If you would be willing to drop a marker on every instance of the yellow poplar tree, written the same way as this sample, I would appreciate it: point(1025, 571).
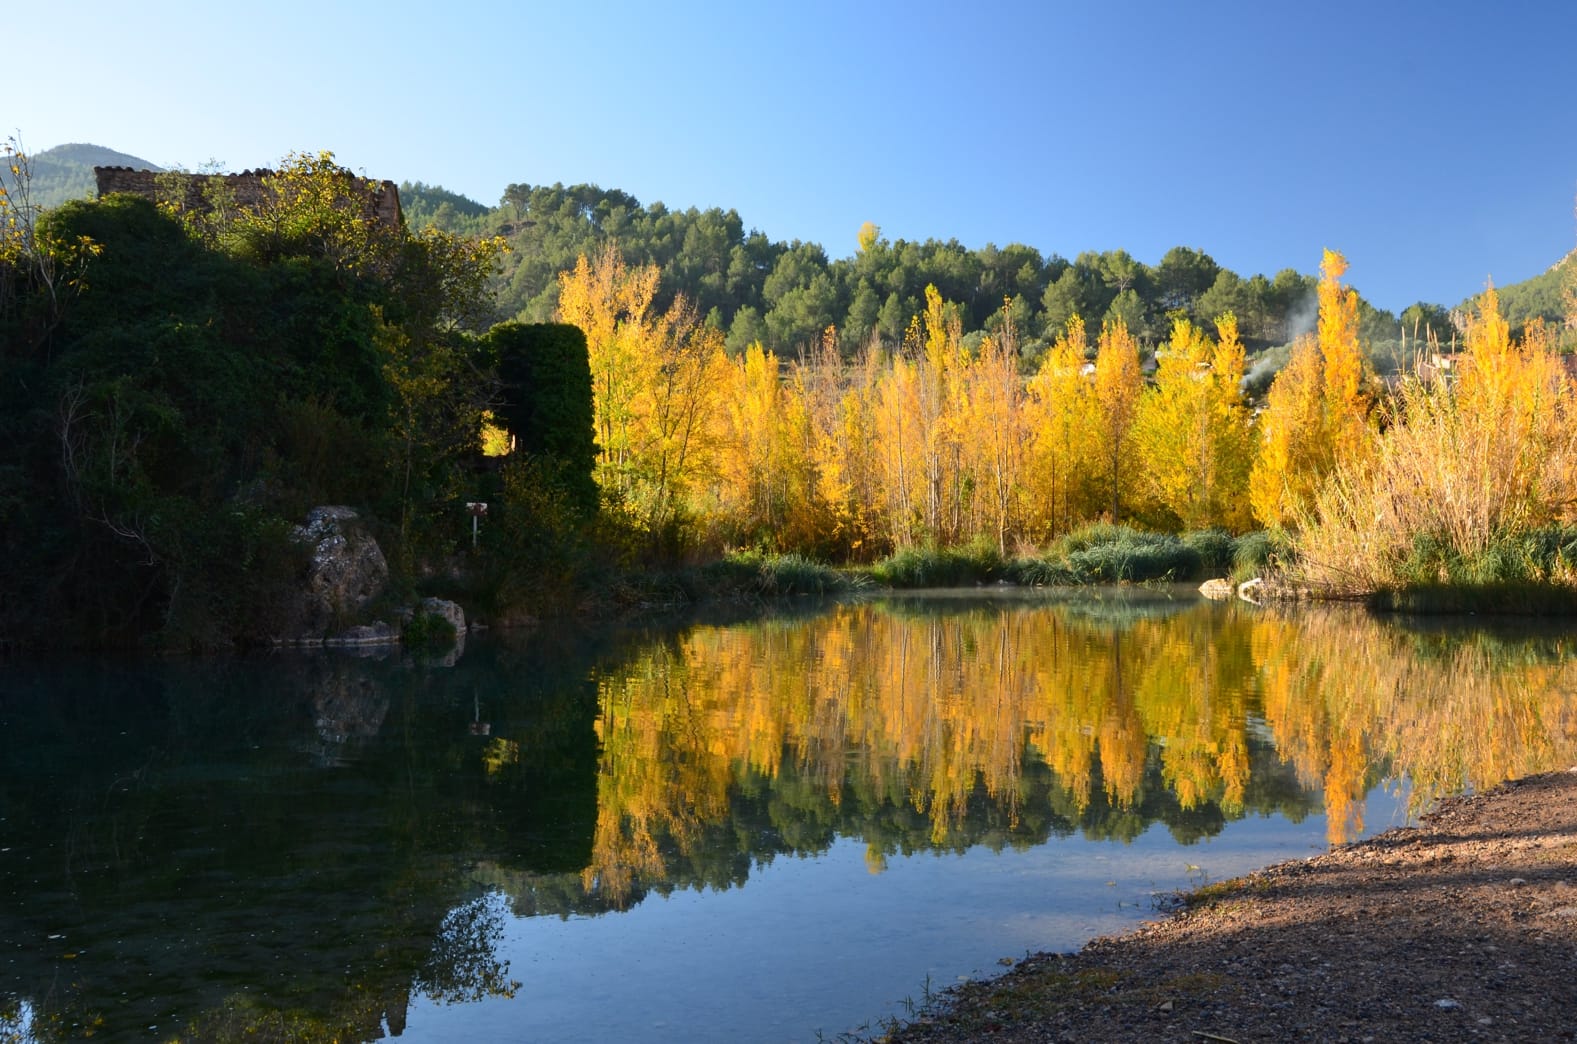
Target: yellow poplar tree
point(847, 463)
point(675, 447)
point(655, 385)
point(1191, 429)
point(1294, 455)
point(765, 491)
point(1346, 404)
point(611, 304)
point(994, 420)
point(1118, 382)
point(901, 443)
point(1316, 412)
point(939, 367)
point(1062, 422)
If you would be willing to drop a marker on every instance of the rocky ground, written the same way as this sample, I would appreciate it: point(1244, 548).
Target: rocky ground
point(1461, 929)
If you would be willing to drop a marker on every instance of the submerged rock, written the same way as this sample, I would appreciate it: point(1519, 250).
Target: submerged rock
point(1218, 589)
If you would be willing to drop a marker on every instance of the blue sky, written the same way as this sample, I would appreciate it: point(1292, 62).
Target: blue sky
point(1435, 144)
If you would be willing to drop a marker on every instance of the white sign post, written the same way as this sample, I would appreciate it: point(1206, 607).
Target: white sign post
point(478, 511)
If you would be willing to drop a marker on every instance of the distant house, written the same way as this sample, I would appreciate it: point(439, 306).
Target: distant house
point(1440, 366)
point(248, 189)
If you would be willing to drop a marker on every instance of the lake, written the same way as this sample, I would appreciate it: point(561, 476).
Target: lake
point(778, 827)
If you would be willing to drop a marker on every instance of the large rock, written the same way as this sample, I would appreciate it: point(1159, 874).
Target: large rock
point(348, 570)
point(446, 609)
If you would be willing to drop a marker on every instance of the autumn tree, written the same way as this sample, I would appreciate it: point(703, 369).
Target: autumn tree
point(841, 409)
point(1316, 412)
point(1062, 424)
point(1192, 432)
point(656, 379)
point(765, 485)
point(994, 420)
point(918, 424)
point(1118, 382)
point(1346, 403)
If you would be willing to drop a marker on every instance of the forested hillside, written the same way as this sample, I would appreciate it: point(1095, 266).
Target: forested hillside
point(1546, 296)
point(785, 294)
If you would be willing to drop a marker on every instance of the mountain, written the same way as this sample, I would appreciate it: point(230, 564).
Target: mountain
point(66, 171)
point(1541, 297)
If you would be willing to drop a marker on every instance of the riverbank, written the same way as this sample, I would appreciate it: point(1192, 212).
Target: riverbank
point(1462, 928)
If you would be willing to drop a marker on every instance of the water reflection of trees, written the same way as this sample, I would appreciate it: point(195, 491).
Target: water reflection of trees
point(986, 725)
point(1349, 697)
point(1004, 725)
point(276, 849)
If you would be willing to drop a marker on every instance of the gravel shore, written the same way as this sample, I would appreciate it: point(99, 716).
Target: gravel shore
point(1463, 928)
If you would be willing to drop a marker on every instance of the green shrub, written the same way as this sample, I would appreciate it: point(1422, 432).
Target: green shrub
point(545, 377)
point(1042, 572)
point(1538, 556)
point(795, 574)
point(756, 574)
point(427, 631)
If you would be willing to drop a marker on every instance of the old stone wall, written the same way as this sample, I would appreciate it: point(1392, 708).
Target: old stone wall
point(249, 190)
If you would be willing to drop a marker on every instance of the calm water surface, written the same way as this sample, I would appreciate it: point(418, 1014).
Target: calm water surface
point(762, 830)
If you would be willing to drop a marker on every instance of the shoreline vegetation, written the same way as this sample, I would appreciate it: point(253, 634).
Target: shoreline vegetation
point(1104, 554)
point(166, 434)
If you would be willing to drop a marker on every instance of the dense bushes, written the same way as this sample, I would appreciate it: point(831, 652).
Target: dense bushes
point(199, 392)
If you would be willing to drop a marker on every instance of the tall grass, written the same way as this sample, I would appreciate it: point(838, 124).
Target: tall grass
point(1464, 484)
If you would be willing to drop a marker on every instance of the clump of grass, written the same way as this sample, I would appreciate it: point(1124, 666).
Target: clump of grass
point(1254, 553)
point(759, 574)
point(914, 567)
point(794, 574)
point(1539, 556)
point(1042, 571)
point(1528, 573)
point(1216, 550)
point(1111, 554)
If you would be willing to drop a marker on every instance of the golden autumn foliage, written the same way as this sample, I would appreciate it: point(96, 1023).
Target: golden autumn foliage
point(1063, 432)
point(944, 441)
point(1317, 411)
point(1294, 455)
point(994, 418)
point(1191, 432)
point(1118, 383)
point(1346, 404)
point(656, 383)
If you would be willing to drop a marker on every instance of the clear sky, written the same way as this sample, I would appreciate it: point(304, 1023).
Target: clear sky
point(1433, 143)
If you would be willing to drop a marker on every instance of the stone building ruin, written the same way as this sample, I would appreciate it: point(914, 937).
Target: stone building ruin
point(248, 190)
